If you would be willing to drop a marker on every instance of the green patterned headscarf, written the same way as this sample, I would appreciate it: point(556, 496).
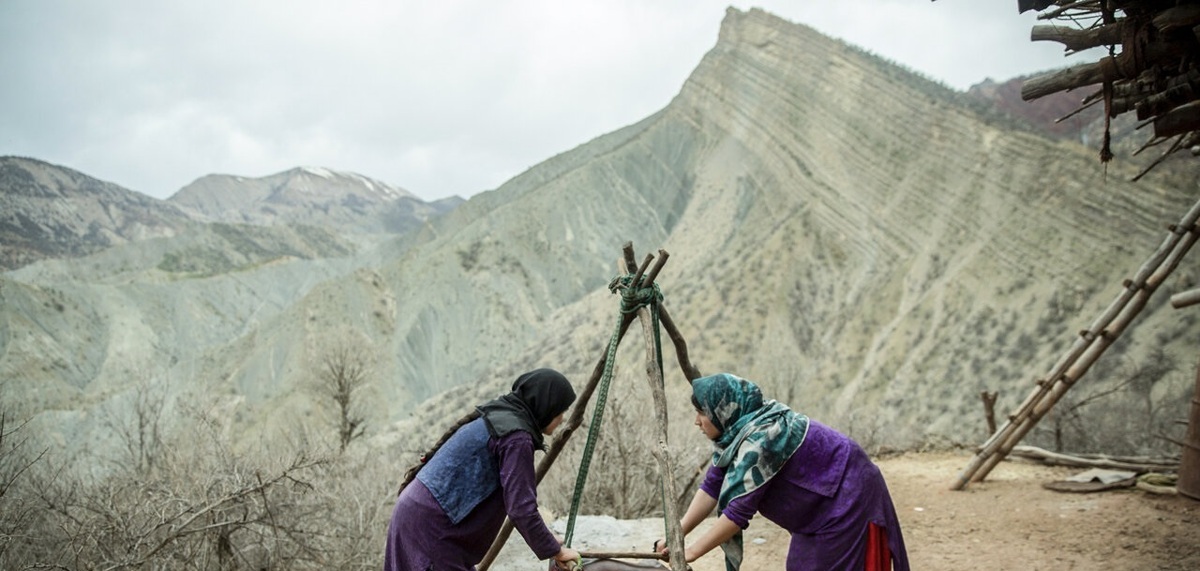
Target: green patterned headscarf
point(757, 437)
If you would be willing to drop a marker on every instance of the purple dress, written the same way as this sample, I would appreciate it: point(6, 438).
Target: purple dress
point(422, 537)
point(825, 495)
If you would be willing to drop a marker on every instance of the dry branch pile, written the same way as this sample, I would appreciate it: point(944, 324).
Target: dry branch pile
point(1151, 68)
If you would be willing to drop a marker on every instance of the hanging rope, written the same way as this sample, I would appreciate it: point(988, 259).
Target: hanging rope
point(632, 299)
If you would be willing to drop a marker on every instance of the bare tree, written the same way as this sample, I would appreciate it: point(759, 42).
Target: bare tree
point(343, 370)
point(139, 427)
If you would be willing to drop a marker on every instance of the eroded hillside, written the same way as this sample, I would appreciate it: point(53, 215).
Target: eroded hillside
point(868, 246)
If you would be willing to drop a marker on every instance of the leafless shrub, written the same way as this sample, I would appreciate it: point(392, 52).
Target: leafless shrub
point(202, 508)
point(1121, 417)
point(205, 508)
point(17, 512)
point(355, 497)
point(865, 430)
point(246, 519)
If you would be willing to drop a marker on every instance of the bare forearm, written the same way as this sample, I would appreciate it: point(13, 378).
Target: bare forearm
point(702, 505)
point(720, 532)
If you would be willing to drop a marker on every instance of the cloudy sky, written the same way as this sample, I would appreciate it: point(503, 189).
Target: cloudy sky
point(438, 97)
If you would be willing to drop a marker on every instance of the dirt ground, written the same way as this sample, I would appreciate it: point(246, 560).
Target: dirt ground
point(1007, 522)
point(1010, 521)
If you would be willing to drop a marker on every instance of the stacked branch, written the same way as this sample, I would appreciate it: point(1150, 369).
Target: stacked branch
point(1140, 465)
point(1153, 66)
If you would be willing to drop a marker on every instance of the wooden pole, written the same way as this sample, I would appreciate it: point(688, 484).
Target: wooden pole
point(660, 451)
point(621, 555)
point(1140, 466)
point(989, 409)
point(1121, 67)
point(1185, 298)
point(1189, 464)
point(1177, 17)
point(690, 372)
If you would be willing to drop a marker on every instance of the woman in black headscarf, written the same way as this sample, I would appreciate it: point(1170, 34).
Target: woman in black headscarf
point(452, 504)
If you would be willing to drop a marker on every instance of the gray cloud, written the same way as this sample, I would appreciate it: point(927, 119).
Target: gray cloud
point(441, 98)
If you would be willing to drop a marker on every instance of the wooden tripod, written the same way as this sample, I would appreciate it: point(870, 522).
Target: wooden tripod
point(655, 377)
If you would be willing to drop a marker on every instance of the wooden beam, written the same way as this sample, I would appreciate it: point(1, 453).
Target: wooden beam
point(690, 372)
point(1062, 80)
point(620, 555)
point(1189, 463)
point(1185, 298)
point(1027, 5)
point(1174, 91)
point(1177, 17)
point(1123, 66)
point(1076, 39)
point(1182, 119)
point(1088, 9)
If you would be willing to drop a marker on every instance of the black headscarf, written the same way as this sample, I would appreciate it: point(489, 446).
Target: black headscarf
point(537, 398)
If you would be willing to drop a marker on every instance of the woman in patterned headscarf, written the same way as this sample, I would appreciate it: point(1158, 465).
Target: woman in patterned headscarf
point(806, 477)
point(452, 504)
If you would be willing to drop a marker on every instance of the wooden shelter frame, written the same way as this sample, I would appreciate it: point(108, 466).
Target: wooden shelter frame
point(1092, 343)
point(1156, 73)
point(643, 276)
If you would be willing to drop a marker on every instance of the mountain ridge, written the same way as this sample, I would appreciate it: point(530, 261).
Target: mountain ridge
point(54, 211)
point(349, 202)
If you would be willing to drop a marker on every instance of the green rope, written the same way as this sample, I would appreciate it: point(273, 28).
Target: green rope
point(632, 298)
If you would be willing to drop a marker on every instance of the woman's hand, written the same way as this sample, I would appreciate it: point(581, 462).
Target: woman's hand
point(660, 547)
point(568, 559)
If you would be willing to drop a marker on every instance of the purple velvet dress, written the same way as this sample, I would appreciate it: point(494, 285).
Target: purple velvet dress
point(825, 495)
point(422, 537)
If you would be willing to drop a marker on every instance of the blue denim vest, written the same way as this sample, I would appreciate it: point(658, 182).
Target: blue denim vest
point(463, 472)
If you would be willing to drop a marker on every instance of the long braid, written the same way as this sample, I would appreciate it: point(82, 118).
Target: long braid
point(412, 472)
